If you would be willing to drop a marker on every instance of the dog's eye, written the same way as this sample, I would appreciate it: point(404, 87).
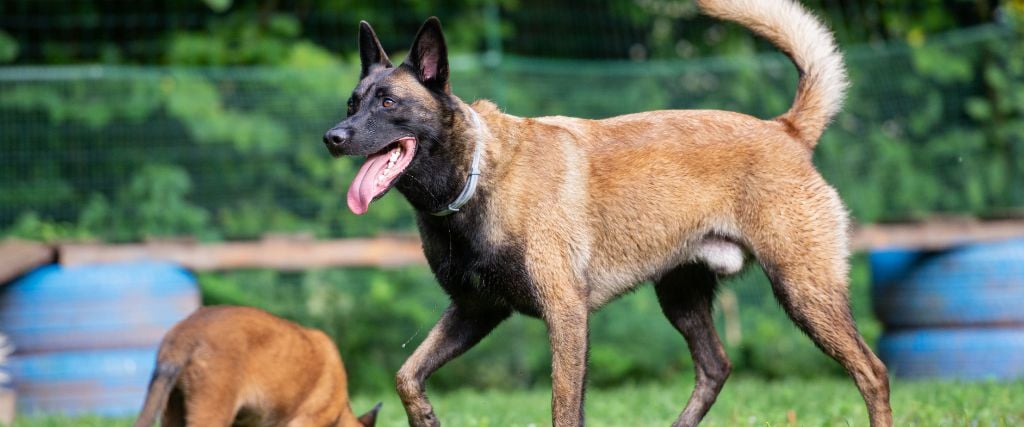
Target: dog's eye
point(351, 107)
point(388, 103)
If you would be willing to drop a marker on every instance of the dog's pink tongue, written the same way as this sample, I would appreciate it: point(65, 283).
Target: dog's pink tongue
point(364, 185)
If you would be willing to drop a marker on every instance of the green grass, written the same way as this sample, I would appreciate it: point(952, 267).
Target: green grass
point(744, 402)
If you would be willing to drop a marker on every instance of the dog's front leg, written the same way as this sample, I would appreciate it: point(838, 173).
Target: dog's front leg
point(566, 316)
point(458, 330)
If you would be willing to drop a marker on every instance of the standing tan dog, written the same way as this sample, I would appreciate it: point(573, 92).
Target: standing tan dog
point(556, 216)
point(241, 366)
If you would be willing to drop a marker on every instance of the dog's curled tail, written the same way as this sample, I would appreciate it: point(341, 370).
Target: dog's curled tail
point(165, 376)
point(801, 36)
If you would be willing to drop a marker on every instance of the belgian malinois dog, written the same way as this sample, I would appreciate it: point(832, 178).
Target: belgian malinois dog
point(242, 366)
point(554, 217)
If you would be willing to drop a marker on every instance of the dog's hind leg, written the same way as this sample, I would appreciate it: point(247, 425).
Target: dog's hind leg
point(457, 331)
point(823, 313)
point(174, 413)
point(801, 245)
point(686, 295)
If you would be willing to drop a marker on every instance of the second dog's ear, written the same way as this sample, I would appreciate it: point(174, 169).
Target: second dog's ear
point(369, 419)
point(429, 56)
point(371, 53)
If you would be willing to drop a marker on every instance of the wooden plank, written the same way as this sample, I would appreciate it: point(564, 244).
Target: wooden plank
point(386, 252)
point(279, 254)
point(18, 257)
point(935, 234)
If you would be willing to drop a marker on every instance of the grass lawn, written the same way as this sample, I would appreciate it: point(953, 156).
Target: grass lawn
point(744, 402)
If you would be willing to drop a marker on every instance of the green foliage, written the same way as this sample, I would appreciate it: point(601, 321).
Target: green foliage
point(152, 204)
point(8, 48)
point(942, 133)
point(30, 226)
point(237, 39)
point(218, 5)
point(932, 144)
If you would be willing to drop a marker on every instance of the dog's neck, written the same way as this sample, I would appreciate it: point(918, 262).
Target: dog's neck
point(439, 178)
point(473, 175)
point(444, 173)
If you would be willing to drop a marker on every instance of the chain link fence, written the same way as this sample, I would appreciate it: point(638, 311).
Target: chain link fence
point(121, 152)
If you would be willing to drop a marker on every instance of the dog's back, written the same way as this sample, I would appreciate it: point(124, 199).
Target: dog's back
point(225, 365)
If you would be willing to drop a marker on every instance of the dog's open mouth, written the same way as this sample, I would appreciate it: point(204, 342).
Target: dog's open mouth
point(379, 172)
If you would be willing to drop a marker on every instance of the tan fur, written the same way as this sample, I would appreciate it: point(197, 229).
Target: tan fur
point(649, 187)
point(601, 206)
point(605, 205)
point(241, 365)
point(809, 44)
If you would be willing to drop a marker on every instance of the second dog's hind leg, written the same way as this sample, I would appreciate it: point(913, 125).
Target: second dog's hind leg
point(174, 412)
point(686, 295)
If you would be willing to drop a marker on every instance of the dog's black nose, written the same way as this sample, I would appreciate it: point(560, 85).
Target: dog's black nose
point(336, 137)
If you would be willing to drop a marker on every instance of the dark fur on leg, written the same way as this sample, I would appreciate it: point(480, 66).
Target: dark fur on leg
point(830, 325)
point(686, 296)
point(458, 330)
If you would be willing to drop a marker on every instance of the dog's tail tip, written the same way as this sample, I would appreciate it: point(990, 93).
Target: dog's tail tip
point(811, 46)
point(165, 376)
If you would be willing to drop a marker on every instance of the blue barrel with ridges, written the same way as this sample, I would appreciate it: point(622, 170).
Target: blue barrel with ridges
point(119, 305)
point(5, 373)
point(981, 284)
point(86, 337)
point(957, 313)
point(965, 353)
point(104, 382)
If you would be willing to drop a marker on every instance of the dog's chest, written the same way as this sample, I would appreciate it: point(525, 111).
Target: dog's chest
point(474, 272)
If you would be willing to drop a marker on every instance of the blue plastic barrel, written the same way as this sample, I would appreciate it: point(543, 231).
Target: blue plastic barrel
point(118, 305)
point(86, 337)
point(103, 382)
point(957, 313)
point(5, 374)
point(965, 353)
point(980, 284)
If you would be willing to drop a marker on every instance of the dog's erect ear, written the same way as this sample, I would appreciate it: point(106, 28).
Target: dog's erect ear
point(369, 419)
point(429, 56)
point(371, 53)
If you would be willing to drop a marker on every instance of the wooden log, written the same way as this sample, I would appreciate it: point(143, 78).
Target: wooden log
point(935, 234)
point(18, 257)
point(278, 254)
point(386, 252)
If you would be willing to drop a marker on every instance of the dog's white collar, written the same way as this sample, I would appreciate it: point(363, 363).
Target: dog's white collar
point(474, 170)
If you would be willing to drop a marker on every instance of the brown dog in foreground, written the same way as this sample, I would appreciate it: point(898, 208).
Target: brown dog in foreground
point(242, 366)
point(556, 216)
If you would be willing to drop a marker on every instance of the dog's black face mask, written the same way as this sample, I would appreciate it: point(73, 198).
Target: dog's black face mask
point(396, 116)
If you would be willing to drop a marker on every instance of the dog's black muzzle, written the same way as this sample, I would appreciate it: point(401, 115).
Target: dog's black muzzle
point(336, 140)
